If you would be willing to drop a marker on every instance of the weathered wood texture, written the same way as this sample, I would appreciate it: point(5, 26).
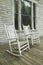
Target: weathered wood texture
point(34, 56)
point(5, 17)
point(39, 17)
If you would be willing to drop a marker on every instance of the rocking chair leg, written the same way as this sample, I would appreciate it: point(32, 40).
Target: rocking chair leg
point(19, 47)
point(28, 44)
point(10, 46)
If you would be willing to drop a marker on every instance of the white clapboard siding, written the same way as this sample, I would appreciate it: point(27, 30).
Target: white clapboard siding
point(3, 37)
point(39, 17)
point(5, 18)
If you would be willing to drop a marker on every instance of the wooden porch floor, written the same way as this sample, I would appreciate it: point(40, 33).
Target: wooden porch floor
point(34, 56)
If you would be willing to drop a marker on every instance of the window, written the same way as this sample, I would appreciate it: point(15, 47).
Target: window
point(26, 13)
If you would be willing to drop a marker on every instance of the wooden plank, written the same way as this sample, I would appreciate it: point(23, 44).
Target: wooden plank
point(13, 53)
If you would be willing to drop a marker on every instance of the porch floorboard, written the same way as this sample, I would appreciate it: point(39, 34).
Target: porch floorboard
point(34, 56)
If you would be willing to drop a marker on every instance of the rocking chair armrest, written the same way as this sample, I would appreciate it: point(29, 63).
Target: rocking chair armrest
point(12, 39)
point(28, 34)
point(20, 31)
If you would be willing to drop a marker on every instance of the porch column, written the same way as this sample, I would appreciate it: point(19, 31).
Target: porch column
point(13, 13)
point(19, 14)
point(32, 17)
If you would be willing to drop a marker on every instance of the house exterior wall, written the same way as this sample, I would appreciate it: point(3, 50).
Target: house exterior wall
point(39, 18)
point(5, 17)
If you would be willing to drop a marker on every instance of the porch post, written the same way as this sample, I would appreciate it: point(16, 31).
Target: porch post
point(19, 14)
point(13, 13)
point(32, 16)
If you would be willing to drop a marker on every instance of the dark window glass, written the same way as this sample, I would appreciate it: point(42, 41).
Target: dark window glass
point(16, 14)
point(26, 13)
point(34, 15)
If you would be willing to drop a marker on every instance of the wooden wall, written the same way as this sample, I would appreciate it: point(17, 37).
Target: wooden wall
point(39, 17)
point(5, 17)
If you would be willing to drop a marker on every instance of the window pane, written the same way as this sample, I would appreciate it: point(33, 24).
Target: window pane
point(16, 14)
point(34, 15)
point(26, 12)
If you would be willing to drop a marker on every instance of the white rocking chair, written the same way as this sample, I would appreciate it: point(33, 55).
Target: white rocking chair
point(15, 44)
point(33, 34)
